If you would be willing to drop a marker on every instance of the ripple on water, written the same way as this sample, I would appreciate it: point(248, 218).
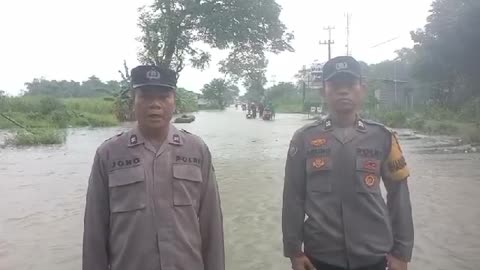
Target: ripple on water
point(43, 209)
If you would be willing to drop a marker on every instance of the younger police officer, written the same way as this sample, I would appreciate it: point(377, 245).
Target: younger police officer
point(333, 173)
point(152, 200)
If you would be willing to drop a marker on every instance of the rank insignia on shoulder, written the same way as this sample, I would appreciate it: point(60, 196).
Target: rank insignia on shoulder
point(133, 139)
point(361, 125)
point(328, 124)
point(176, 138)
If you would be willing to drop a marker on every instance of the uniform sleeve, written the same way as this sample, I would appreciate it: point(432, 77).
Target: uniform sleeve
point(96, 222)
point(293, 214)
point(395, 174)
point(211, 221)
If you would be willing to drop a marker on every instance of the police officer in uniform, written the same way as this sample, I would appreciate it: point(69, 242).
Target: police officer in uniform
point(152, 199)
point(333, 175)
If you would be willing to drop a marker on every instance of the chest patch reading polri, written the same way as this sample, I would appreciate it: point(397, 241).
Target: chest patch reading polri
point(369, 153)
point(191, 160)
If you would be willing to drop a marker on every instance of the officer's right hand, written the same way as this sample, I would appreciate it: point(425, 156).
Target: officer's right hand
point(301, 263)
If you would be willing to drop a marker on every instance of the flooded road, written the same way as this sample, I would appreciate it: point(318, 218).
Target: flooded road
point(42, 196)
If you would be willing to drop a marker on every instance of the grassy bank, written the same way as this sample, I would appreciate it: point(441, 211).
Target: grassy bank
point(43, 136)
point(40, 120)
point(48, 112)
point(433, 121)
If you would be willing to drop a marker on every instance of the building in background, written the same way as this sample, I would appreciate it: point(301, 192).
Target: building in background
point(394, 95)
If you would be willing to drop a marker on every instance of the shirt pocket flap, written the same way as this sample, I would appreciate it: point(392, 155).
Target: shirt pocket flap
point(368, 165)
point(187, 172)
point(123, 177)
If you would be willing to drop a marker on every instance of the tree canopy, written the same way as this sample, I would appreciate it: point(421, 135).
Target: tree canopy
point(220, 92)
point(446, 51)
point(173, 31)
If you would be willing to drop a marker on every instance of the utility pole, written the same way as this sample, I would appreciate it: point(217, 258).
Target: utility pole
point(348, 33)
point(304, 84)
point(274, 80)
point(329, 42)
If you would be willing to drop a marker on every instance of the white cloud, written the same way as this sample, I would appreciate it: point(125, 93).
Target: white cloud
point(66, 39)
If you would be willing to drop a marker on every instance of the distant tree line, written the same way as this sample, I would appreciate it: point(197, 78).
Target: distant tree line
point(92, 87)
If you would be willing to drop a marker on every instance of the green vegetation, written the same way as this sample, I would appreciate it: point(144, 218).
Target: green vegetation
point(186, 101)
point(49, 112)
point(220, 93)
point(288, 107)
point(438, 74)
point(38, 137)
point(285, 98)
point(442, 122)
point(175, 32)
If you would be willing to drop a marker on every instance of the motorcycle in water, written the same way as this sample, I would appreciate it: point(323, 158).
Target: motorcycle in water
point(252, 114)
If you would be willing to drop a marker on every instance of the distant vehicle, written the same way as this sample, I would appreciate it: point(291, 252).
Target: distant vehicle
point(268, 115)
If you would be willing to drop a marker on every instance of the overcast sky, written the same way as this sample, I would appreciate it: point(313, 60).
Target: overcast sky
point(72, 39)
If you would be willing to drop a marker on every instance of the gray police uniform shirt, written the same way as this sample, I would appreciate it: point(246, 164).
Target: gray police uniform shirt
point(152, 210)
point(332, 201)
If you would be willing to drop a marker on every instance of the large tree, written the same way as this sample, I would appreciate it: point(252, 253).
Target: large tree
point(447, 50)
point(174, 30)
point(220, 92)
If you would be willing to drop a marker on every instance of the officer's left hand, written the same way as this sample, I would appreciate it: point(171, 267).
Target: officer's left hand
point(396, 264)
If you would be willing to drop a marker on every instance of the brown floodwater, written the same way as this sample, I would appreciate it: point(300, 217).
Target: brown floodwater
point(42, 195)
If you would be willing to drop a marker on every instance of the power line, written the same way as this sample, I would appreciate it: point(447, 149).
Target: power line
point(330, 41)
point(385, 42)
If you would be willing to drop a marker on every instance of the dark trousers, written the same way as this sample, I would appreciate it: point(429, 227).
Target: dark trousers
point(323, 266)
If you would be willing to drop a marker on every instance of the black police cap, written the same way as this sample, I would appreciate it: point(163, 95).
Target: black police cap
point(341, 65)
point(153, 76)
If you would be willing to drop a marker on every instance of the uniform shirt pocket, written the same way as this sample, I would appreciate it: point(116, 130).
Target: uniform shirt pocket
point(127, 189)
point(319, 174)
point(368, 175)
point(187, 179)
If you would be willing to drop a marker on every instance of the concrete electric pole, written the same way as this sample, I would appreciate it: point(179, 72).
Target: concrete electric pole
point(329, 42)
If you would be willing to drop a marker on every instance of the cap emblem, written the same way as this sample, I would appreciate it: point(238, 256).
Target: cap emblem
point(341, 66)
point(153, 75)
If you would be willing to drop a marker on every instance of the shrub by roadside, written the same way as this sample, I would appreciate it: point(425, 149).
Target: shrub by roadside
point(37, 137)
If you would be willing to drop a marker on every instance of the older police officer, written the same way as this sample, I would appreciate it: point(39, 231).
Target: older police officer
point(152, 199)
point(332, 176)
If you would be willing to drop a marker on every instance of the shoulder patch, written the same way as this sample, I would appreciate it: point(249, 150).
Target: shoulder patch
point(396, 165)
